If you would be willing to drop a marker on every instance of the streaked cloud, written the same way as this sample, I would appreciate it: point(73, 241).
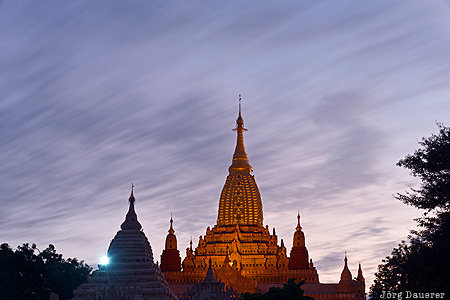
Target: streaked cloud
point(94, 96)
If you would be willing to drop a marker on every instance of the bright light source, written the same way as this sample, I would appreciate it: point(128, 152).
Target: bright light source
point(104, 260)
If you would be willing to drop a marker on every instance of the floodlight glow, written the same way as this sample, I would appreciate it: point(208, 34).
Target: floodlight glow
point(104, 260)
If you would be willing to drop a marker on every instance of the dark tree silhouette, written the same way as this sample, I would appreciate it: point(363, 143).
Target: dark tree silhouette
point(290, 291)
point(28, 273)
point(422, 264)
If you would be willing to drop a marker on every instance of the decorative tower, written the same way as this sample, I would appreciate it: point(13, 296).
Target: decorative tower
point(131, 273)
point(240, 201)
point(299, 253)
point(361, 280)
point(346, 284)
point(170, 258)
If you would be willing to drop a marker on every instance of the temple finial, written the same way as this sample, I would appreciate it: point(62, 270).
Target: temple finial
point(132, 199)
point(298, 221)
point(240, 120)
point(240, 99)
point(171, 231)
point(240, 158)
point(131, 221)
point(346, 284)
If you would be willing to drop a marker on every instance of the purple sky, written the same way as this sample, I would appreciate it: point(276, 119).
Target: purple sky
point(95, 95)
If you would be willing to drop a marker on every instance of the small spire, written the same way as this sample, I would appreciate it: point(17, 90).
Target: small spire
point(346, 284)
point(298, 222)
point(171, 231)
point(131, 222)
point(346, 275)
point(190, 244)
point(210, 274)
point(240, 99)
point(282, 243)
point(132, 199)
point(240, 120)
point(360, 274)
point(240, 158)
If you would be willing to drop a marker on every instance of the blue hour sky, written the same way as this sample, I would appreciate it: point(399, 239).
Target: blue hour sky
point(95, 95)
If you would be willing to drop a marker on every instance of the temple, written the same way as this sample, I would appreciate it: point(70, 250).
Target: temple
point(131, 273)
point(243, 254)
point(237, 255)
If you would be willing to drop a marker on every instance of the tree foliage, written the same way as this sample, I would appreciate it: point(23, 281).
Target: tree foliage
point(431, 164)
point(28, 273)
point(290, 291)
point(422, 264)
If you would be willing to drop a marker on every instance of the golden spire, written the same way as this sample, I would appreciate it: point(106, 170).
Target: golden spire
point(299, 236)
point(240, 158)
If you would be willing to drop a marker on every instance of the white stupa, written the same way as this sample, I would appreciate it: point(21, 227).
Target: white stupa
point(131, 273)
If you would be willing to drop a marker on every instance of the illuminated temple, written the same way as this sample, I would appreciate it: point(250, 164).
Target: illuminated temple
point(242, 252)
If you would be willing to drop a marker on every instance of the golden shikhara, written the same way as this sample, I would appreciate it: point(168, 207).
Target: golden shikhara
point(241, 252)
point(240, 201)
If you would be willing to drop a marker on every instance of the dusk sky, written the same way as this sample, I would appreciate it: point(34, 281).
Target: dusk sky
point(95, 95)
